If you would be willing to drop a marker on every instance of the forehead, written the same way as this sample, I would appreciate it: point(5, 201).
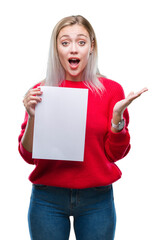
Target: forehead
point(73, 31)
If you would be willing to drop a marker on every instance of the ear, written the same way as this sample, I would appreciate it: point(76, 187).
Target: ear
point(92, 46)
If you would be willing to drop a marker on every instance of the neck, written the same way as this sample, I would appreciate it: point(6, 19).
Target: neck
point(74, 78)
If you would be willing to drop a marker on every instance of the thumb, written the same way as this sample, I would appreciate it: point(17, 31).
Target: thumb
point(130, 94)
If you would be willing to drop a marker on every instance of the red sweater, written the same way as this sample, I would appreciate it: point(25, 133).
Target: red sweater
point(102, 146)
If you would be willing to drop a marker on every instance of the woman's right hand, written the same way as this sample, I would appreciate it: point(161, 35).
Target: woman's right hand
point(31, 99)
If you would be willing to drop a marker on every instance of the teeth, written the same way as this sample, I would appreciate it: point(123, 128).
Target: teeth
point(74, 60)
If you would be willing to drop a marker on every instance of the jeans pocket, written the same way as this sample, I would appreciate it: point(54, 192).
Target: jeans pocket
point(103, 188)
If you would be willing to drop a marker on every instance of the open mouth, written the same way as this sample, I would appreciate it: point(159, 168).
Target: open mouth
point(74, 61)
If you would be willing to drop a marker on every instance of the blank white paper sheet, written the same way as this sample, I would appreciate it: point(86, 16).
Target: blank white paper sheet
point(60, 124)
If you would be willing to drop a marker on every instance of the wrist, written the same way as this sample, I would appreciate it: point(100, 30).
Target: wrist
point(117, 127)
point(117, 117)
point(31, 121)
point(117, 122)
point(31, 118)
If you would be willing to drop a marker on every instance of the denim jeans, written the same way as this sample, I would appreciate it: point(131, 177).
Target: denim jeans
point(92, 209)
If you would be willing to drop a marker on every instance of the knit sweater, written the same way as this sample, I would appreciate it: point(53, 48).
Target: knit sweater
point(102, 146)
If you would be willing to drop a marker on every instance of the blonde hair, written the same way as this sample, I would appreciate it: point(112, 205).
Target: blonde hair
point(56, 73)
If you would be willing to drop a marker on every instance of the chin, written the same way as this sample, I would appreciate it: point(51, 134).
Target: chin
point(75, 76)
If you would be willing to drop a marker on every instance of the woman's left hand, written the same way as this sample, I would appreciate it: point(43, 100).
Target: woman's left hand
point(120, 106)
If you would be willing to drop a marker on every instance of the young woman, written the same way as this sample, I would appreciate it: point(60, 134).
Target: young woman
point(80, 189)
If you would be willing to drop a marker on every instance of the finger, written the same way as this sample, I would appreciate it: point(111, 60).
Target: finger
point(130, 94)
point(31, 99)
point(33, 91)
point(144, 90)
point(133, 95)
point(38, 99)
point(31, 104)
point(141, 92)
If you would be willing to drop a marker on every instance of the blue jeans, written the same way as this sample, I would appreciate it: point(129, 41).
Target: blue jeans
point(93, 211)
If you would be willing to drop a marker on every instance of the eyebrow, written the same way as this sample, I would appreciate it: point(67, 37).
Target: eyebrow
point(79, 35)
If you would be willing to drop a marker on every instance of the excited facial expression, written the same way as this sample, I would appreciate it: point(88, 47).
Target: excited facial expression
point(74, 47)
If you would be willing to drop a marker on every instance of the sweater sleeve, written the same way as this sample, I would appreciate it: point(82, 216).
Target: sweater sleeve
point(117, 145)
point(27, 156)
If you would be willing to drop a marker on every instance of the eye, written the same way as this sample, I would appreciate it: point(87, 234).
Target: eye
point(82, 43)
point(65, 43)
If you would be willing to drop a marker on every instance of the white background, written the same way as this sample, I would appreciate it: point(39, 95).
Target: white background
point(132, 51)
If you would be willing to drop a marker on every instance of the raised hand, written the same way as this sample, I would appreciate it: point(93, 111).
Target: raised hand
point(31, 99)
point(120, 106)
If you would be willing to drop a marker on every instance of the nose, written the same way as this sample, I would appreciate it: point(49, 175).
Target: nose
point(73, 49)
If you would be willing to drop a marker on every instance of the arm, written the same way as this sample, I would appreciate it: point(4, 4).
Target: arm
point(27, 139)
point(31, 99)
point(117, 143)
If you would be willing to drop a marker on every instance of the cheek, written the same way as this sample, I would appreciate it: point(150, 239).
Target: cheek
point(86, 57)
point(61, 55)
point(86, 53)
point(60, 52)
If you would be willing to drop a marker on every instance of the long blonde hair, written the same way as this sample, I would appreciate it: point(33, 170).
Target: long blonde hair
point(55, 72)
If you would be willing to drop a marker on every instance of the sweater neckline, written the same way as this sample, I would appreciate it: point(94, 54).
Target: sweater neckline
point(70, 83)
